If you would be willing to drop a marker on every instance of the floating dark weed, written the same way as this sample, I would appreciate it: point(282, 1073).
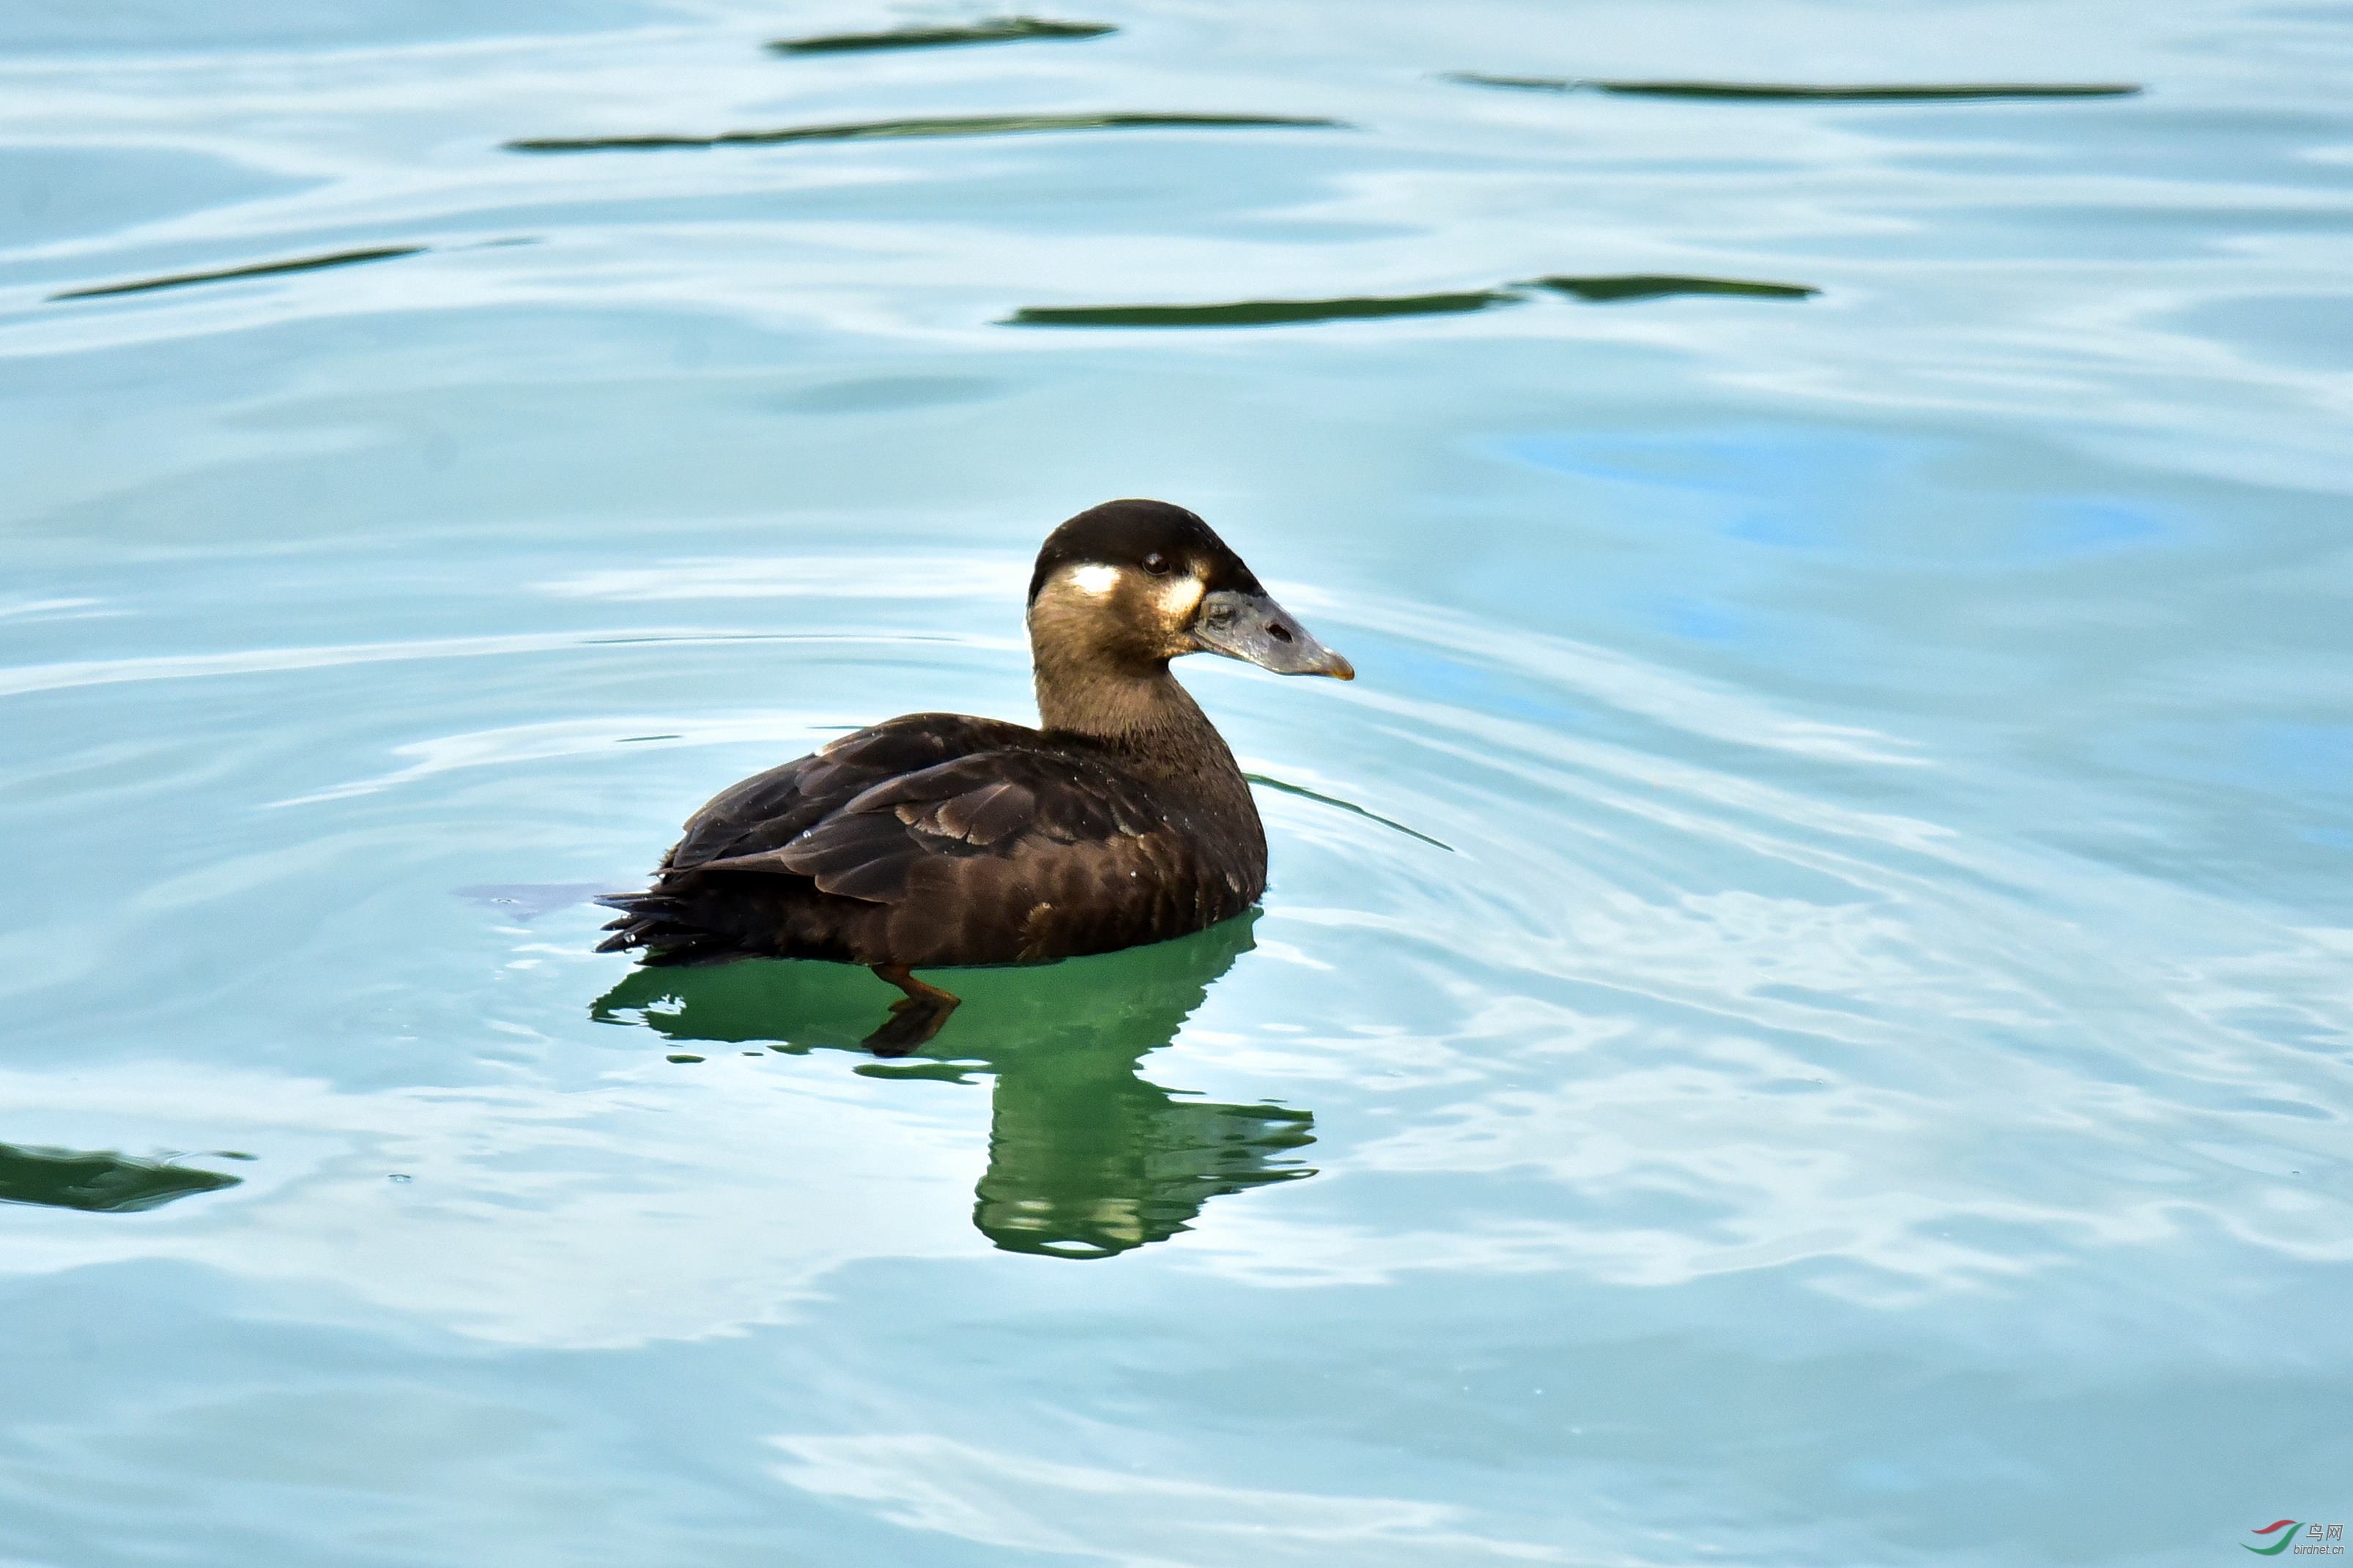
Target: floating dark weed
point(997, 30)
point(1900, 92)
point(884, 130)
point(1258, 312)
point(1660, 286)
point(260, 269)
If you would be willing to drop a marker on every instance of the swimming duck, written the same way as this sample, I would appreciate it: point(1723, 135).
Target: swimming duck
point(938, 840)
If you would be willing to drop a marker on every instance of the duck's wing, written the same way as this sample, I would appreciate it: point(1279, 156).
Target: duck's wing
point(980, 811)
point(932, 840)
point(769, 810)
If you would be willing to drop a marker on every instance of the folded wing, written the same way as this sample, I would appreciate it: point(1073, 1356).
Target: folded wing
point(934, 839)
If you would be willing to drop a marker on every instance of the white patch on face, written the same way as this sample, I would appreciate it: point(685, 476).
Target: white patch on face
point(1182, 596)
point(1094, 579)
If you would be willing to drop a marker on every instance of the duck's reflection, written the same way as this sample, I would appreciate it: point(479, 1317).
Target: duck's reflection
point(1086, 1157)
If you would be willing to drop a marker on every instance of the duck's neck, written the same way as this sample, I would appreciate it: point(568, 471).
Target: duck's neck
point(1145, 716)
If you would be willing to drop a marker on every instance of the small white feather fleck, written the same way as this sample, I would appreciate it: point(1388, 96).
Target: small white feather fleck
point(1095, 580)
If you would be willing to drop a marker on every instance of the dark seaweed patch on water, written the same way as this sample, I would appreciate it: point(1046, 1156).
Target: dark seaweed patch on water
point(1660, 286)
point(259, 269)
point(884, 129)
point(1794, 92)
point(1258, 312)
point(98, 1181)
point(997, 30)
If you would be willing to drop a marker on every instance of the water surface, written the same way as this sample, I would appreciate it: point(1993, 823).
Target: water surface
point(1817, 93)
point(1804, 1011)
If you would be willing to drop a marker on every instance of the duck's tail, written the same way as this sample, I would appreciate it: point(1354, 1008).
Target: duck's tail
point(655, 924)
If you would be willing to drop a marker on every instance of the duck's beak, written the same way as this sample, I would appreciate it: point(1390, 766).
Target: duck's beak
point(1252, 627)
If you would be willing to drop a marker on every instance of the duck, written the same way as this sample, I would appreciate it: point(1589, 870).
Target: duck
point(948, 841)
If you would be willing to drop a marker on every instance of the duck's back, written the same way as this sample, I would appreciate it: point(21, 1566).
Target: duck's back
point(940, 840)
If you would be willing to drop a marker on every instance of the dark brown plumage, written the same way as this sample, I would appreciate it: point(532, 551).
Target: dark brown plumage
point(940, 840)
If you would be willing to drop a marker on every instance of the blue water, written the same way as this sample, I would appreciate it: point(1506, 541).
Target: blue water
point(1848, 1063)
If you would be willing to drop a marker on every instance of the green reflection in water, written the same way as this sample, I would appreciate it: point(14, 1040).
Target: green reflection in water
point(1661, 285)
point(1881, 93)
point(885, 130)
point(1086, 1157)
point(997, 30)
point(97, 1182)
point(259, 269)
point(1258, 312)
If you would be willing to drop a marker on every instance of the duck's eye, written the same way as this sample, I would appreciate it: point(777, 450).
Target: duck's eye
point(1157, 563)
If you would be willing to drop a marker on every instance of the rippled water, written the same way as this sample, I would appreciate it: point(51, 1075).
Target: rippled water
point(1805, 1004)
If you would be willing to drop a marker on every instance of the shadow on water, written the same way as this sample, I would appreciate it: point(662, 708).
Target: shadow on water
point(1793, 92)
point(97, 1182)
point(1293, 312)
point(259, 269)
point(997, 30)
point(1087, 1158)
point(957, 125)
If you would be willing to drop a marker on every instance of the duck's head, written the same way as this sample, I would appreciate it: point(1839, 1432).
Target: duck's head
point(1135, 583)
